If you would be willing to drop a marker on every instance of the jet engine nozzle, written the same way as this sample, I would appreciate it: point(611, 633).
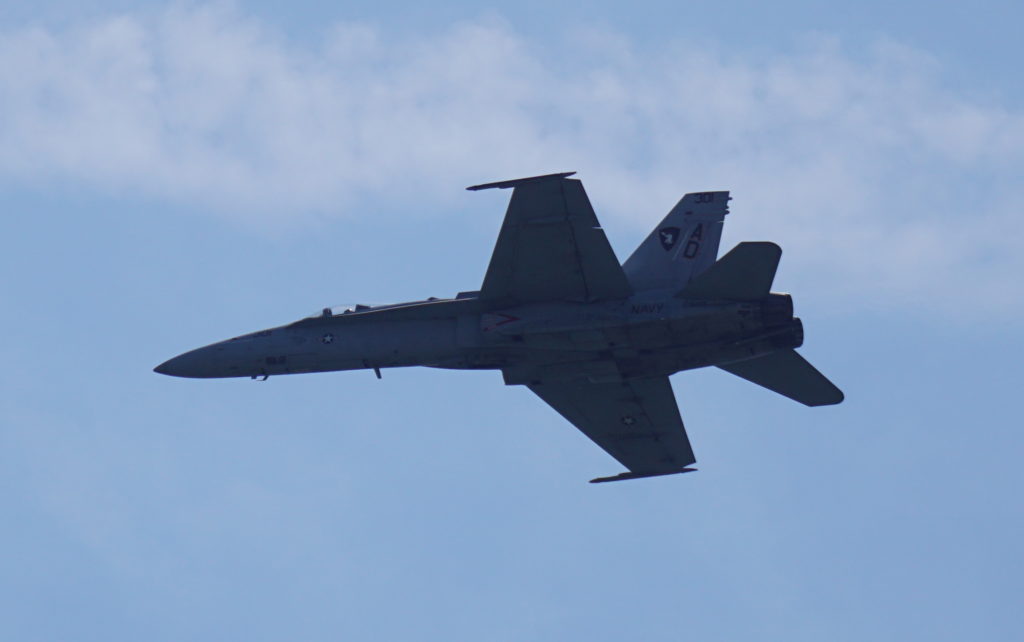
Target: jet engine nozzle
point(776, 310)
point(791, 336)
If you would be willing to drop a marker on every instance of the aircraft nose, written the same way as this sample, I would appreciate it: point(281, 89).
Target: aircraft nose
point(194, 364)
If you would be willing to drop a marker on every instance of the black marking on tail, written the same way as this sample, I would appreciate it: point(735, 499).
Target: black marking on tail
point(669, 237)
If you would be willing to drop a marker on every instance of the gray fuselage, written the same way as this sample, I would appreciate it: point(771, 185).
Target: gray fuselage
point(649, 334)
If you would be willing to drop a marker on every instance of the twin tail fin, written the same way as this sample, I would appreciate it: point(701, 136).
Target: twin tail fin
point(683, 245)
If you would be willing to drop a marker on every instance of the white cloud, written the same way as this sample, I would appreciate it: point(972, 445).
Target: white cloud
point(867, 168)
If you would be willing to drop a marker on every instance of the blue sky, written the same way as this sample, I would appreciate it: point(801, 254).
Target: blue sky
point(172, 175)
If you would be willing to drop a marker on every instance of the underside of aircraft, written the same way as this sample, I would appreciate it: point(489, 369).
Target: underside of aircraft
point(556, 312)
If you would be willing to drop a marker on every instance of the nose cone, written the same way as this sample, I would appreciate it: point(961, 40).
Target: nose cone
point(165, 368)
point(199, 363)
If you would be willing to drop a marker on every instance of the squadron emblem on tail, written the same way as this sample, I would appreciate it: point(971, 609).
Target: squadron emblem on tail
point(669, 236)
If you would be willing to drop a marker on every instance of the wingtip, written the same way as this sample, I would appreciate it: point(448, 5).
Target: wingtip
point(632, 475)
point(519, 181)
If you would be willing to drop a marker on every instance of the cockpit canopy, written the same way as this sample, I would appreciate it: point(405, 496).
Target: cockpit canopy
point(335, 310)
point(351, 308)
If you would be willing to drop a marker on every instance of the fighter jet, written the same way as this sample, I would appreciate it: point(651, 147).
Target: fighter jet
point(557, 313)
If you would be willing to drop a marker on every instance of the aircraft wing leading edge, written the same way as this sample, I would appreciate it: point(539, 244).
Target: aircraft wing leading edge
point(635, 420)
point(550, 248)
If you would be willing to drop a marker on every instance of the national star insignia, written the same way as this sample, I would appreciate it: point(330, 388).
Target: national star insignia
point(327, 338)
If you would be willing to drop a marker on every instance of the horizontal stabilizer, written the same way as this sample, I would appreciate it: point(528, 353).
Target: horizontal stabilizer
point(790, 375)
point(745, 273)
point(622, 476)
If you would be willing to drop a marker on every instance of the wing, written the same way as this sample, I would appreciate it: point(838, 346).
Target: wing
point(636, 421)
point(551, 247)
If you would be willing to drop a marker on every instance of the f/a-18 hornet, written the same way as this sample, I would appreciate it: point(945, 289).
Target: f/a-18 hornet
point(557, 313)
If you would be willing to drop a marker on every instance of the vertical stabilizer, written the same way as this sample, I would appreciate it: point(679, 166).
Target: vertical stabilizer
point(746, 272)
point(682, 246)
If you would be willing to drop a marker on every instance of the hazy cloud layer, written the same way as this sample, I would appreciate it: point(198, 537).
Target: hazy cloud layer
point(864, 165)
